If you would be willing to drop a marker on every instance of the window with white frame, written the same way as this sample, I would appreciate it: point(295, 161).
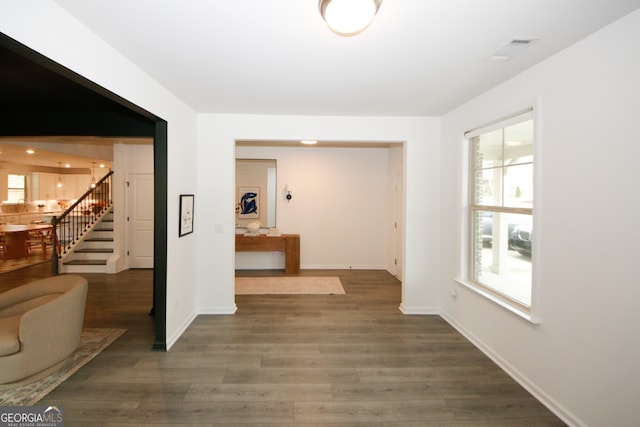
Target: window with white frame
point(501, 209)
point(17, 185)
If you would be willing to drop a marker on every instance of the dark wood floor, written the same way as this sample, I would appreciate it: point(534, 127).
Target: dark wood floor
point(339, 360)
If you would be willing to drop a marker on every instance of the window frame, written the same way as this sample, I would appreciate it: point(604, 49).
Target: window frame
point(23, 188)
point(528, 312)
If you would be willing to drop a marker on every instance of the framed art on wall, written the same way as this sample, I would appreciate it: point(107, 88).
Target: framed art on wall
point(186, 214)
point(248, 202)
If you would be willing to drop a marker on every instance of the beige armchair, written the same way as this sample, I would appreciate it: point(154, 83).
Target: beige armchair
point(40, 326)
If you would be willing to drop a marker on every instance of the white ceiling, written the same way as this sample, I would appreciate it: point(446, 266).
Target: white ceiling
point(58, 151)
point(419, 57)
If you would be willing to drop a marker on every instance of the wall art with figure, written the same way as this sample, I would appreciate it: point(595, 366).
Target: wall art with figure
point(248, 202)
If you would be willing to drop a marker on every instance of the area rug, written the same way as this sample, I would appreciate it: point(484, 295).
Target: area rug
point(92, 342)
point(288, 285)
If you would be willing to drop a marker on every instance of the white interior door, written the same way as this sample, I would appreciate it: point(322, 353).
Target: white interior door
point(140, 217)
point(399, 225)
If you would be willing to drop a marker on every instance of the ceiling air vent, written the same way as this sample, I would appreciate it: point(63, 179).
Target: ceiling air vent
point(512, 48)
point(521, 41)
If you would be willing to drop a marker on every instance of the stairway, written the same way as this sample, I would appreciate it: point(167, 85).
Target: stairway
point(92, 254)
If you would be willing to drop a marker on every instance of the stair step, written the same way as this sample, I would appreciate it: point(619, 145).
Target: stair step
point(86, 262)
point(94, 251)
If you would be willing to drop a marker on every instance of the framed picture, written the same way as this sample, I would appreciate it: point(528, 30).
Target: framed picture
point(186, 214)
point(248, 202)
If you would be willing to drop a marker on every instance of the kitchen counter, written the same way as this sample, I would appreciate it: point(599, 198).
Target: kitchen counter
point(27, 217)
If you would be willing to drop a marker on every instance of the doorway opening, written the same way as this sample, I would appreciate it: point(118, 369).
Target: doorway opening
point(44, 98)
point(344, 200)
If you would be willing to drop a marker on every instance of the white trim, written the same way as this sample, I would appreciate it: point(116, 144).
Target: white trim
point(170, 341)
point(505, 305)
point(536, 300)
point(423, 311)
point(511, 119)
point(529, 112)
point(553, 405)
point(218, 310)
point(344, 267)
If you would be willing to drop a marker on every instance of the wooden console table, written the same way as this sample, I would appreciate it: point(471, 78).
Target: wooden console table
point(289, 243)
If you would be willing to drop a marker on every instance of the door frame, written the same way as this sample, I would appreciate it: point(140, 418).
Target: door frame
point(104, 115)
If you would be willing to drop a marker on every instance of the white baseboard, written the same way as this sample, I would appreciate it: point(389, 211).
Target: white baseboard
point(424, 311)
point(218, 310)
point(170, 341)
point(343, 267)
point(209, 310)
point(558, 409)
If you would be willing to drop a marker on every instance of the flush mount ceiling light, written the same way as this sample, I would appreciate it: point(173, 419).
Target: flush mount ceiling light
point(348, 17)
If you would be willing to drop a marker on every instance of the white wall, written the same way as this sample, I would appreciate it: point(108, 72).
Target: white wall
point(50, 30)
point(216, 155)
point(339, 206)
point(582, 359)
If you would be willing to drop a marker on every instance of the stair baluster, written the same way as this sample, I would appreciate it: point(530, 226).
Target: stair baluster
point(72, 225)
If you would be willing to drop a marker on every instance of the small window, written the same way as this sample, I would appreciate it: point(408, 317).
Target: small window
point(501, 209)
point(17, 185)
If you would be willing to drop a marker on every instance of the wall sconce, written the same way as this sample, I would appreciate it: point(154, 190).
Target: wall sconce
point(348, 17)
point(287, 191)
